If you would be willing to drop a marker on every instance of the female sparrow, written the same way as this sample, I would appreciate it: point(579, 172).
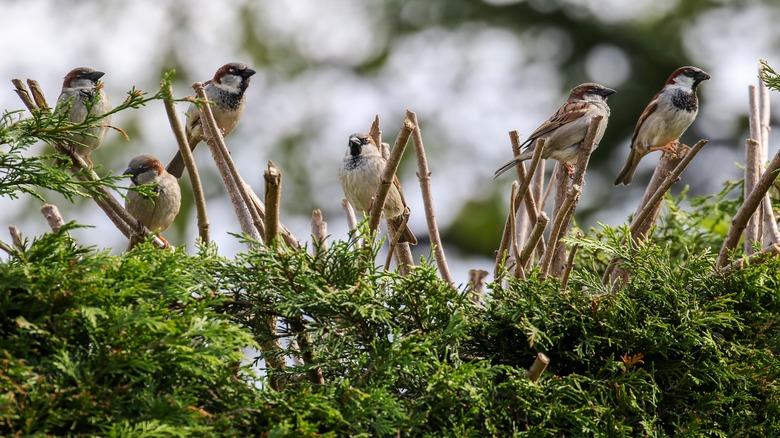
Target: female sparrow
point(82, 95)
point(157, 213)
point(360, 175)
point(665, 119)
point(566, 129)
point(226, 90)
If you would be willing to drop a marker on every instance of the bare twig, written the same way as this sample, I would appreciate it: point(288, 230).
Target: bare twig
point(534, 238)
point(37, 93)
point(248, 217)
point(525, 178)
point(747, 209)
point(752, 172)
point(556, 263)
point(756, 259)
point(376, 134)
point(16, 236)
point(189, 163)
point(273, 194)
point(555, 246)
point(547, 191)
point(388, 176)
point(24, 95)
point(569, 265)
point(558, 229)
point(771, 232)
point(424, 175)
point(405, 253)
point(53, 217)
point(510, 221)
point(659, 194)
point(538, 367)
point(350, 213)
point(319, 229)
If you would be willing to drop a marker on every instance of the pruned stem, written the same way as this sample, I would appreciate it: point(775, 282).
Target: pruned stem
point(424, 175)
point(534, 238)
point(752, 173)
point(273, 195)
point(538, 367)
point(319, 229)
point(756, 259)
point(248, 217)
point(747, 209)
point(569, 265)
point(189, 163)
point(350, 213)
point(53, 217)
point(559, 226)
point(388, 176)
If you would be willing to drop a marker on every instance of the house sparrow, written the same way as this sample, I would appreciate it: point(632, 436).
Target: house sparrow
point(226, 90)
point(82, 95)
point(157, 213)
point(360, 175)
point(665, 119)
point(566, 129)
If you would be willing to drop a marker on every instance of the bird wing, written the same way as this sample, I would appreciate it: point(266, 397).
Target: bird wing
point(650, 109)
point(567, 113)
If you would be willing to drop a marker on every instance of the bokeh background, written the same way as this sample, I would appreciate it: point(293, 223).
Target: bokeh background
point(472, 70)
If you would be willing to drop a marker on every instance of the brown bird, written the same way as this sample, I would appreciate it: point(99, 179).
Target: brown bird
point(566, 129)
point(360, 175)
point(158, 213)
point(82, 95)
point(226, 90)
point(665, 119)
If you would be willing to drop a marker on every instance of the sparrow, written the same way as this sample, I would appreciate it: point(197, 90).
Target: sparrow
point(665, 119)
point(566, 129)
point(226, 91)
point(360, 175)
point(158, 213)
point(82, 95)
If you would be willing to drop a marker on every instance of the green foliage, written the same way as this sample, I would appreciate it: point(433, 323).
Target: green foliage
point(161, 343)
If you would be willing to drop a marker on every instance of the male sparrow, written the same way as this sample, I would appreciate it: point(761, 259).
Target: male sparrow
point(82, 95)
point(566, 129)
point(665, 119)
point(226, 90)
point(360, 175)
point(157, 213)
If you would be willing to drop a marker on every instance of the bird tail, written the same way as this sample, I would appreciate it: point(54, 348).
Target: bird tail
point(176, 166)
point(627, 174)
point(506, 167)
point(406, 234)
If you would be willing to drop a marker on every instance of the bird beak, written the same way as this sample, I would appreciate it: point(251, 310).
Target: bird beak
point(702, 76)
point(354, 142)
point(133, 175)
point(95, 75)
point(248, 72)
point(607, 92)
